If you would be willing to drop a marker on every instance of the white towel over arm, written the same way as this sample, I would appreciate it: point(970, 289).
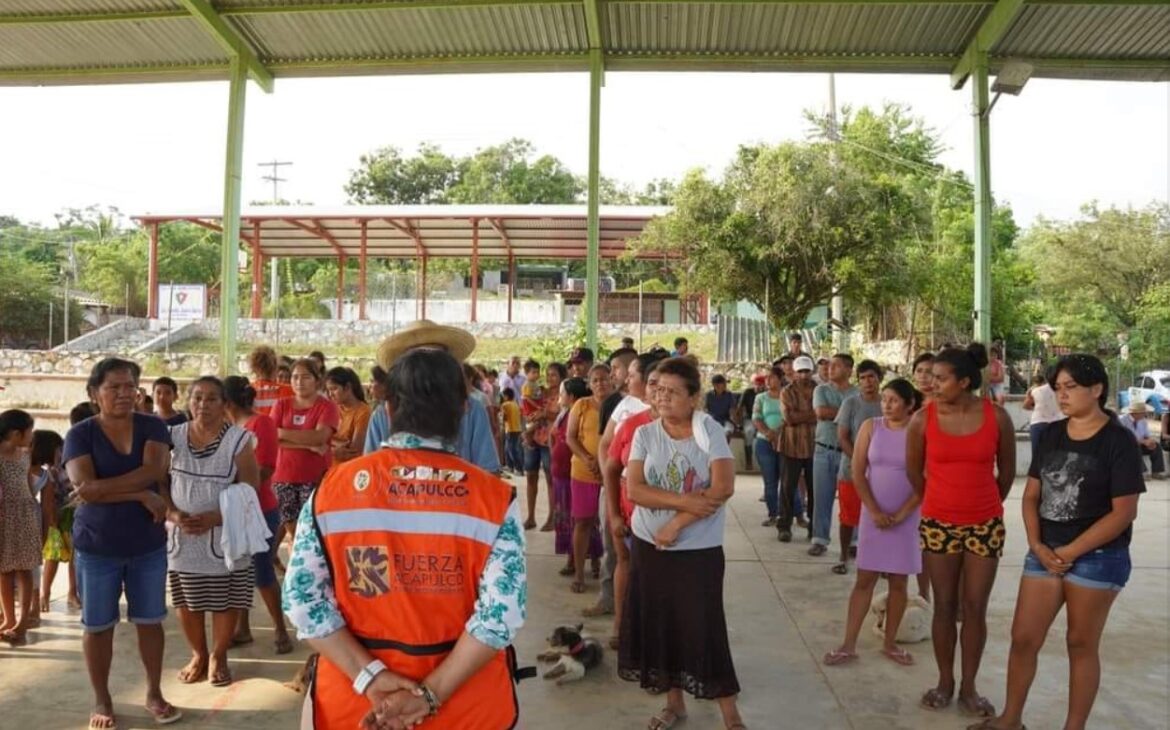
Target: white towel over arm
point(244, 532)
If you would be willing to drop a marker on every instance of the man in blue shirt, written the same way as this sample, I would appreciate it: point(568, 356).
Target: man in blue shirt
point(1135, 420)
point(475, 442)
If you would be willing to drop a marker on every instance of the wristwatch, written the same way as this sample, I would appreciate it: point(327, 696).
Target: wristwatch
point(362, 681)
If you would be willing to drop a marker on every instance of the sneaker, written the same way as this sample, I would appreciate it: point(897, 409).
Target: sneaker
point(801, 522)
point(785, 535)
point(817, 550)
point(770, 522)
point(596, 610)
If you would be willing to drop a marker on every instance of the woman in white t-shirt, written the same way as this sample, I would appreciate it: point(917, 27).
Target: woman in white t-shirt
point(680, 474)
point(1041, 401)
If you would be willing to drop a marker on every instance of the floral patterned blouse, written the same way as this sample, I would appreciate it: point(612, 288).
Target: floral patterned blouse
point(310, 602)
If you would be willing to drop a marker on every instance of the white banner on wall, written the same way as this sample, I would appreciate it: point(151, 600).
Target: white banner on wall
point(181, 302)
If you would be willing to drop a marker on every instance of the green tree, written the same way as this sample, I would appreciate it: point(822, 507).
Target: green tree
point(787, 228)
point(26, 290)
point(512, 173)
point(1095, 274)
point(386, 177)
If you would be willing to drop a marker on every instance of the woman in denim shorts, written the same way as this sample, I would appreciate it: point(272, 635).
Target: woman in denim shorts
point(1079, 507)
point(116, 462)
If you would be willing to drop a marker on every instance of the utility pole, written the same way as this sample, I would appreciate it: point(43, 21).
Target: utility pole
point(837, 304)
point(274, 271)
point(274, 177)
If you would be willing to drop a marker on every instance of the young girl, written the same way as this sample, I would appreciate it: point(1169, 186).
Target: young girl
point(50, 482)
point(20, 525)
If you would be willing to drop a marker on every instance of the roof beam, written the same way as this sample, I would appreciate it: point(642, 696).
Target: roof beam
point(994, 25)
point(593, 24)
point(230, 40)
point(215, 227)
point(409, 229)
point(318, 232)
point(497, 225)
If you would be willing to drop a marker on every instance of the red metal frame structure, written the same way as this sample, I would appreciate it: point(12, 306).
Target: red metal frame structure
point(419, 232)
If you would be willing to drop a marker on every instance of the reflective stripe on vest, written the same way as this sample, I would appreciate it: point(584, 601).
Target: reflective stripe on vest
point(407, 534)
point(424, 523)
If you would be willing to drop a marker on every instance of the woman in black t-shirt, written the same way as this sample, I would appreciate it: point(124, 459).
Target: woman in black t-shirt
point(1079, 507)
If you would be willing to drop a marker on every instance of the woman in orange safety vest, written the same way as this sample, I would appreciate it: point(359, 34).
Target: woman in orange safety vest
point(408, 574)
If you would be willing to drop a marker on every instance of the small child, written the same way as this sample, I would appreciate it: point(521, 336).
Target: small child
point(20, 520)
point(510, 413)
point(57, 514)
point(532, 403)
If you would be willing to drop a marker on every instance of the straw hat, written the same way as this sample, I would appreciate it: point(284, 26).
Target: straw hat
point(425, 333)
point(1137, 407)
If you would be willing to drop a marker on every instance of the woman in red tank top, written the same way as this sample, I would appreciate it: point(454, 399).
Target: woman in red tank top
point(961, 459)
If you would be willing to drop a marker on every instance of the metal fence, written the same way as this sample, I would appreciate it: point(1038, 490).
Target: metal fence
point(744, 339)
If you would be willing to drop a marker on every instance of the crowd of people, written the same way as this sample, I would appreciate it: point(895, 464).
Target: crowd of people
point(405, 540)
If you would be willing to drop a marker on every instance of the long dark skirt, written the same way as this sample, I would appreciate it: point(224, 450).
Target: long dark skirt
point(674, 634)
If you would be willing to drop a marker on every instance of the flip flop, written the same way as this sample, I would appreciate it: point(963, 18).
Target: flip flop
point(102, 721)
point(284, 644)
point(841, 569)
point(899, 656)
point(976, 706)
point(166, 714)
point(530, 525)
point(186, 676)
point(14, 638)
point(665, 719)
point(837, 657)
point(222, 677)
point(986, 725)
point(934, 699)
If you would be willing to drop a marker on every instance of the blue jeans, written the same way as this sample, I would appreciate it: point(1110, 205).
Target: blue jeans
point(514, 455)
point(826, 463)
point(264, 571)
point(770, 467)
point(1103, 569)
point(102, 578)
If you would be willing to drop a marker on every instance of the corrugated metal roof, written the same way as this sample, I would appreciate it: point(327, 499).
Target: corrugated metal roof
point(115, 43)
point(1078, 39)
point(1089, 31)
point(72, 7)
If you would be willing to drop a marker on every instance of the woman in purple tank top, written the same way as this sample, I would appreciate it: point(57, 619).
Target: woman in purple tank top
point(888, 538)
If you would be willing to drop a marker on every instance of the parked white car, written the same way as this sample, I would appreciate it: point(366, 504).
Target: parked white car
point(1153, 389)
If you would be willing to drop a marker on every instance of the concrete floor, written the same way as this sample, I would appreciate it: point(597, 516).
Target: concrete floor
point(785, 609)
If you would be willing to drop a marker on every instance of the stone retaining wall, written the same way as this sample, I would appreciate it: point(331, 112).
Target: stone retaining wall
point(331, 331)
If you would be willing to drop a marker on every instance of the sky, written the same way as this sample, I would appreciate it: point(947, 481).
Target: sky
point(160, 147)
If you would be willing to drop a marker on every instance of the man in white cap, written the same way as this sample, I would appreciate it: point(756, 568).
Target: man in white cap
point(1134, 419)
point(475, 442)
point(797, 443)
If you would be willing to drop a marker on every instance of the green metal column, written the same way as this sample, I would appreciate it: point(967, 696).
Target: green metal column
point(983, 202)
point(229, 310)
point(593, 257)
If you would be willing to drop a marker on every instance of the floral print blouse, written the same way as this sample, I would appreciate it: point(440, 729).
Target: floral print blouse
point(309, 598)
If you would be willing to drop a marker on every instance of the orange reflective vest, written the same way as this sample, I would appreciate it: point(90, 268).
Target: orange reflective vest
point(407, 534)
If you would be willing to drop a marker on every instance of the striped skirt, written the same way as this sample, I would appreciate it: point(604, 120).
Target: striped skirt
point(215, 593)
